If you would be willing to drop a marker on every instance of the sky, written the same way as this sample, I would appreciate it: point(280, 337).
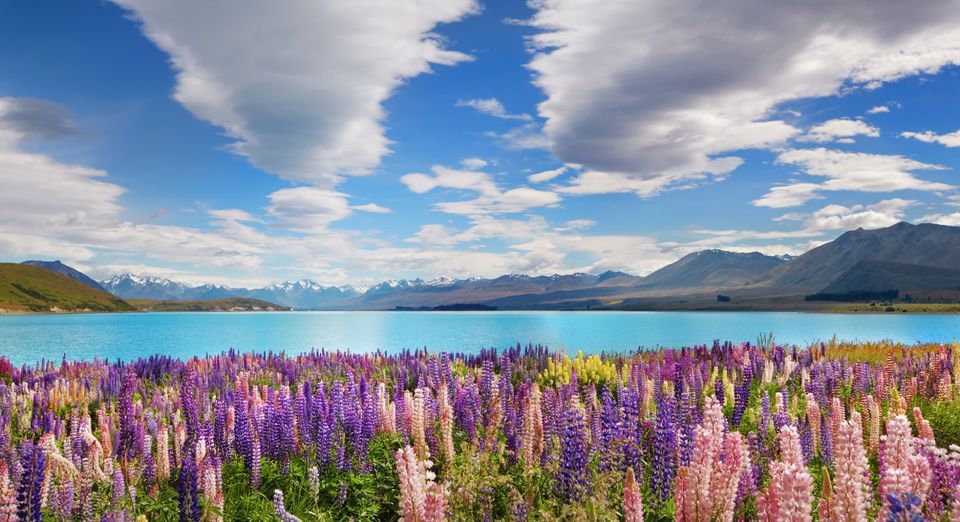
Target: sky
point(243, 142)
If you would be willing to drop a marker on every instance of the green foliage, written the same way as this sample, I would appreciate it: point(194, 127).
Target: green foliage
point(944, 418)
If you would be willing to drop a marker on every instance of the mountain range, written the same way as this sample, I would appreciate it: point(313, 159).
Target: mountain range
point(903, 257)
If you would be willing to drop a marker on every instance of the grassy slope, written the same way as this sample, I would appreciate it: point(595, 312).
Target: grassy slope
point(210, 305)
point(25, 288)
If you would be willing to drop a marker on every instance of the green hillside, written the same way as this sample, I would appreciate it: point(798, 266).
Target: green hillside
point(25, 288)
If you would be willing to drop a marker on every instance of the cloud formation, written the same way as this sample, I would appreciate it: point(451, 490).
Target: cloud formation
point(839, 129)
point(299, 84)
point(33, 119)
point(492, 107)
point(951, 139)
point(649, 106)
point(855, 171)
point(491, 198)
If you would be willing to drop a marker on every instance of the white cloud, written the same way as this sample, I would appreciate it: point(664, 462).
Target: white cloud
point(233, 214)
point(629, 93)
point(308, 209)
point(951, 219)
point(491, 199)
point(843, 128)
point(526, 136)
point(445, 177)
point(854, 171)
point(372, 208)
point(299, 84)
point(474, 163)
point(546, 175)
point(879, 109)
point(598, 182)
point(492, 107)
point(951, 139)
point(514, 200)
point(838, 217)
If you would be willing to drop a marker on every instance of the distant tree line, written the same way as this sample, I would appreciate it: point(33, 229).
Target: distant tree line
point(860, 295)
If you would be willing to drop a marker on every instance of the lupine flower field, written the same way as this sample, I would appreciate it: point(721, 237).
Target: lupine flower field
point(833, 432)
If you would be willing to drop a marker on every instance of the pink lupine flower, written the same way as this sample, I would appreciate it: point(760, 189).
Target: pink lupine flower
point(789, 497)
point(874, 412)
point(826, 507)
point(924, 430)
point(494, 418)
point(532, 430)
point(446, 427)
point(902, 470)
point(813, 417)
point(421, 499)
point(632, 501)
point(852, 471)
point(836, 417)
point(418, 425)
point(706, 489)
point(162, 458)
point(8, 496)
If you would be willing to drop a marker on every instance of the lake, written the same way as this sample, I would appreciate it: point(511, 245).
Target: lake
point(28, 338)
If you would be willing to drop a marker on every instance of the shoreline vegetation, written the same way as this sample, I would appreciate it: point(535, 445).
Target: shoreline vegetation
point(833, 431)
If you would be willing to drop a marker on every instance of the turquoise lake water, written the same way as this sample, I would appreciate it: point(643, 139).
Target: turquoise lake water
point(29, 338)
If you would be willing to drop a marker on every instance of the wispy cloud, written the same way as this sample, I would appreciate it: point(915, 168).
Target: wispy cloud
point(492, 107)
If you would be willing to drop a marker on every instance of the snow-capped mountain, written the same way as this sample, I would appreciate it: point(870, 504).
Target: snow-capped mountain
point(306, 294)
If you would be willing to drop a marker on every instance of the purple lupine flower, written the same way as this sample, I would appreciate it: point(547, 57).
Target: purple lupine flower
point(189, 494)
point(664, 451)
point(188, 402)
point(718, 390)
point(325, 427)
point(220, 427)
point(30, 487)
point(119, 486)
point(806, 441)
point(125, 445)
point(826, 441)
point(283, 422)
point(64, 504)
point(631, 435)
point(763, 428)
point(741, 396)
point(572, 475)
point(610, 428)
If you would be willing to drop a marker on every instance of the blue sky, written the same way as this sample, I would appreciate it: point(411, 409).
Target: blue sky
point(349, 143)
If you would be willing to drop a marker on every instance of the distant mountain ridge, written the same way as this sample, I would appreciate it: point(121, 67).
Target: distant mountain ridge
point(903, 257)
point(68, 271)
point(923, 245)
point(713, 268)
